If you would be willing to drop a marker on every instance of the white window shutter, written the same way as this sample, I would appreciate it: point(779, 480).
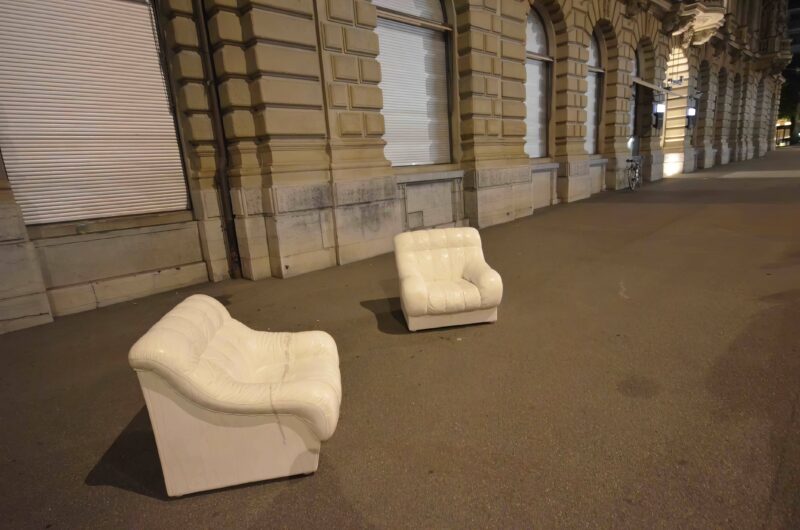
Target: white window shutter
point(85, 125)
point(536, 108)
point(592, 116)
point(414, 84)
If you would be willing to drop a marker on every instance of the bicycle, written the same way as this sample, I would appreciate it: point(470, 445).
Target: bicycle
point(634, 173)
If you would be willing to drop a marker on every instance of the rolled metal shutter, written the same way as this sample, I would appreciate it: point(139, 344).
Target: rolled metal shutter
point(592, 116)
point(536, 107)
point(414, 84)
point(85, 125)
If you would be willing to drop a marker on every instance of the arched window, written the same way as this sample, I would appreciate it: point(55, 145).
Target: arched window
point(594, 94)
point(413, 61)
point(537, 86)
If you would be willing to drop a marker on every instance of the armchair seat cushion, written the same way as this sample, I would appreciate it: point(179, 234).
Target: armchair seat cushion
point(452, 296)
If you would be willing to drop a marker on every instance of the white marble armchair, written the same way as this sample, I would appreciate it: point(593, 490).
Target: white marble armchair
point(444, 279)
point(231, 405)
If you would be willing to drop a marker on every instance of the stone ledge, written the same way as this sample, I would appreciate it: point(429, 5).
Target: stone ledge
point(24, 311)
point(423, 177)
point(91, 295)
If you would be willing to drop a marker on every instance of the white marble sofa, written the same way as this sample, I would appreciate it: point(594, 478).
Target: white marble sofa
point(444, 279)
point(231, 405)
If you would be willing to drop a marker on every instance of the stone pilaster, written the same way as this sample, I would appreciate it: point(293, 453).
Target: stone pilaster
point(748, 115)
point(188, 81)
point(23, 297)
point(491, 67)
point(574, 179)
point(652, 151)
point(268, 62)
point(616, 101)
point(679, 153)
point(708, 82)
point(761, 117)
point(722, 119)
point(773, 113)
point(735, 129)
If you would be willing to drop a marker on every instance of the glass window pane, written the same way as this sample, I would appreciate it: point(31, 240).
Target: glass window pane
point(535, 35)
point(430, 9)
point(594, 52)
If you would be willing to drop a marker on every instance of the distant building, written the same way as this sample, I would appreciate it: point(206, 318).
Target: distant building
point(148, 147)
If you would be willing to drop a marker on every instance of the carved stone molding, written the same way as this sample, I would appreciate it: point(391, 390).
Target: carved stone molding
point(694, 22)
point(634, 7)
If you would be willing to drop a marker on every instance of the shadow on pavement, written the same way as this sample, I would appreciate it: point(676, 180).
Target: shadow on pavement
point(389, 315)
point(131, 463)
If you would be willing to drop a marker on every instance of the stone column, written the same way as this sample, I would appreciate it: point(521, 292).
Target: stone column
point(761, 117)
point(706, 110)
point(491, 68)
point(268, 65)
point(679, 154)
point(722, 119)
point(617, 99)
point(23, 297)
point(194, 122)
point(773, 114)
point(229, 31)
point(735, 128)
point(747, 115)
point(574, 180)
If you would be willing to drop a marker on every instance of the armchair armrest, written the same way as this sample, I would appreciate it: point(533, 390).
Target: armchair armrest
point(488, 282)
point(414, 295)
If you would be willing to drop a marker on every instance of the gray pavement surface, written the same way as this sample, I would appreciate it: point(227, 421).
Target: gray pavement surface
point(644, 372)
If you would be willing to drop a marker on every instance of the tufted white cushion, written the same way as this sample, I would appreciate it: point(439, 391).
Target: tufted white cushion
point(443, 272)
point(218, 364)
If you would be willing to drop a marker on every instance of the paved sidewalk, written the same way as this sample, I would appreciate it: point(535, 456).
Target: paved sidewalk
point(644, 372)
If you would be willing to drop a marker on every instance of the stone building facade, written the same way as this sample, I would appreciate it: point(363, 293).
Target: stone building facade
point(281, 116)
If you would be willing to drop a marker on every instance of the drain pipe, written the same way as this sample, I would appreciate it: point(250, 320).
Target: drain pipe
point(221, 175)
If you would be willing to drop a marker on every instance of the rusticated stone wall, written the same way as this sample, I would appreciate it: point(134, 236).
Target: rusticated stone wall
point(299, 94)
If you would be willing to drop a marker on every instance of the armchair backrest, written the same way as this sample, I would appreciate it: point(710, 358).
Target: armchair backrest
point(437, 254)
point(179, 339)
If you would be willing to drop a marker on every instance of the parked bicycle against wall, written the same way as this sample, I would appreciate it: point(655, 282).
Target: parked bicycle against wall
point(634, 173)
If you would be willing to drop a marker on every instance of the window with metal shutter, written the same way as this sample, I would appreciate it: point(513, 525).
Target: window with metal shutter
point(536, 104)
point(594, 80)
point(537, 87)
point(85, 125)
point(414, 84)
